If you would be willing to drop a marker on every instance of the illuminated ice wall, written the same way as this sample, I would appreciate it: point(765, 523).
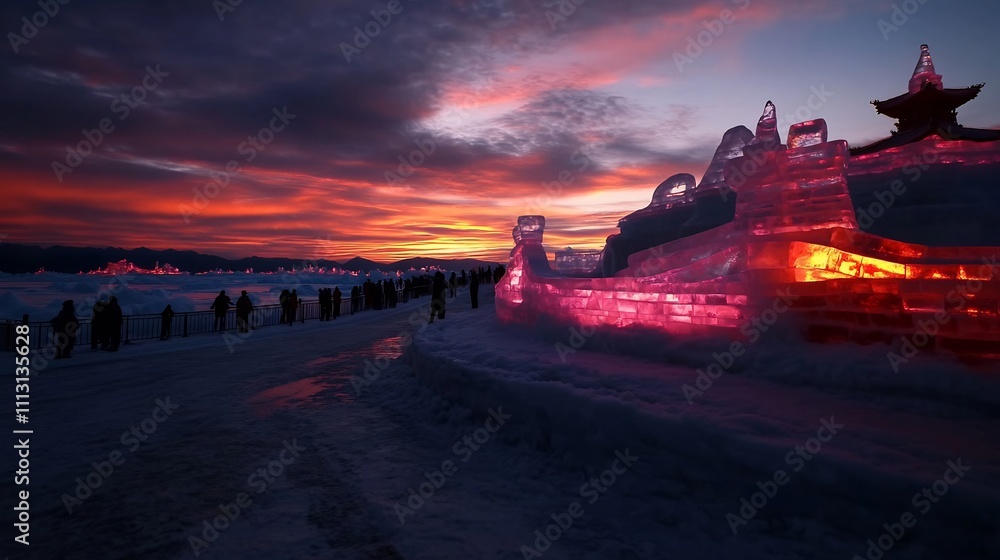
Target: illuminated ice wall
point(793, 248)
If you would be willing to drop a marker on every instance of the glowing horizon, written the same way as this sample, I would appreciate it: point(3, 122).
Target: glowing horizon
point(445, 127)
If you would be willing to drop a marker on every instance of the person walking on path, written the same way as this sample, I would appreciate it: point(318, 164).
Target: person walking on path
point(243, 309)
point(439, 289)
point(221, 306)
point(166, 317)
point(113, 334)
point(474, 290)
point(64, 326)
point(98, 324)
point(293, 305)
point(337, 296)
point(283, 300)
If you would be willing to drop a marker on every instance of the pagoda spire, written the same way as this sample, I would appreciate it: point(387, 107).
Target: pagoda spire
point(924, 72)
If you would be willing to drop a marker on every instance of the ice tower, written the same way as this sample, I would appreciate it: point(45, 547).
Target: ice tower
point(927, 108)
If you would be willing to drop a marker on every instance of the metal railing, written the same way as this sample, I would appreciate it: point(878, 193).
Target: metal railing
point(149, 326)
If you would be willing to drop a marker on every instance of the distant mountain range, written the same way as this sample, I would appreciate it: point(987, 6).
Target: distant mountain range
point(19, 259)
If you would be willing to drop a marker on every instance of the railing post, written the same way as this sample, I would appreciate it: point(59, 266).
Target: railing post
point(125, 326)
point(185, 324)
point(302, 312)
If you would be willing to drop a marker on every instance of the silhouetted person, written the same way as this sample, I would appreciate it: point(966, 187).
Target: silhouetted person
point(474, 290)
point(293, 306)
point(283, 300)
point(221, 306)
point(439, 289)
point(388, 290)
point(453, 284)
point(337, 296)
point(64, 328)
point(328, 304)
point(243, 309)
point(355, 299)
point(114, 325)
point(98, 324)
point(166, 317)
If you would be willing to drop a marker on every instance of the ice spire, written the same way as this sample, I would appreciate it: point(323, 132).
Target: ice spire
point(767, 130)
point(924, 72)
point(675, 189)
point(731, 147)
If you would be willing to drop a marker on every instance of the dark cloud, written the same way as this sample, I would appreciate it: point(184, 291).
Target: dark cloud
point(353, 120)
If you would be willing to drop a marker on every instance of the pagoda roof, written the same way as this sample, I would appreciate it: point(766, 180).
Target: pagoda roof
point(953, 132)
point(928, 99)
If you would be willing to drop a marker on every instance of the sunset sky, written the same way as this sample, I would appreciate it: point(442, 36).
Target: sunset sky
point(502, 97)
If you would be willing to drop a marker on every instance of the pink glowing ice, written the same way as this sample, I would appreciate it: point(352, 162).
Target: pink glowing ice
point(794, 234)
point(730, 147)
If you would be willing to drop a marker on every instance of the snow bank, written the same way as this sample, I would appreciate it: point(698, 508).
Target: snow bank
point(900, 430)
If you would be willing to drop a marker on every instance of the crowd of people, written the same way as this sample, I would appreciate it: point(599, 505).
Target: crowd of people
point(106, 322)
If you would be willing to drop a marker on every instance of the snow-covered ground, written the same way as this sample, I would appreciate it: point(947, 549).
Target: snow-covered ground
point(510, 435)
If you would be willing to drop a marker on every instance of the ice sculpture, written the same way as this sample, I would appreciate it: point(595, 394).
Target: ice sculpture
point(924, 73)
point(677, 188)
point(531, 228)
point(794, 233)
point(578, 262)
point(730, 147)
point(927, 122)
point(805, 134)
point(766, 139)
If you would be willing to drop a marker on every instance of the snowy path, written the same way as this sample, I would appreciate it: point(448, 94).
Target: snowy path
point(362, 453)
point(233, 414)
